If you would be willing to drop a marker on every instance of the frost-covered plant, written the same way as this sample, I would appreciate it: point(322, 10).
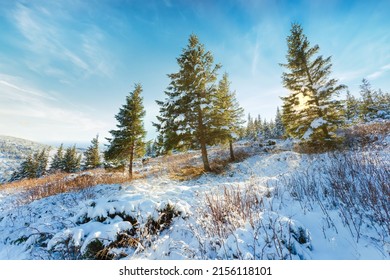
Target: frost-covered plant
point(239, 223)
point(356, 185)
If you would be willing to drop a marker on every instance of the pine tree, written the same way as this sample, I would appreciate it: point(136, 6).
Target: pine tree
point(27, 169)
point(41, 160)
point(352, 107)
point(250, 127)
point(367, 106)
point(57, 163)
point(34, 166)
point(383, 104)
point(127, 142)
point(279, 127)
point(186, 113)
point(266, 131)
point(227, 114)
point(92, 155)
point(310, 112)
point(72, 160)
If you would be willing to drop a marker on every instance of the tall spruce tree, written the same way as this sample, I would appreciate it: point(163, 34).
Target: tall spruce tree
point(92, 155)
point(310, 111)
point(227, 114)
point(186, 113)
point(127, 142)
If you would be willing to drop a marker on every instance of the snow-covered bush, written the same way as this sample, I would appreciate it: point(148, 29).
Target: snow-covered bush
point(113, 229)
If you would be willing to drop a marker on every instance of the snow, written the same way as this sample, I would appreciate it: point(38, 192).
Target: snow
point(279, 227)
point(317, 122)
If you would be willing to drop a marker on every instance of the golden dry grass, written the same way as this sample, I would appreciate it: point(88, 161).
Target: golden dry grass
point(62, 182)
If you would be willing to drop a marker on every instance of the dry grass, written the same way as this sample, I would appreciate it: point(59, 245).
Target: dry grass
point(226, 211)
point(61, 183)
point(364, 134)
point(187, 166)
point(181, 167)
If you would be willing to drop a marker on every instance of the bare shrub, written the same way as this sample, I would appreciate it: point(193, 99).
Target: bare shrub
point(354, 184)
point(226, 211)
point(362, 135)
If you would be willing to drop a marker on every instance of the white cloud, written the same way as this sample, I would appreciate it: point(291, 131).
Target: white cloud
point(379, 73)
point(29, 113)
point(56, 47)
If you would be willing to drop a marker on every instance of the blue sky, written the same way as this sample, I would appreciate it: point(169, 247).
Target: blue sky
point(67, 66)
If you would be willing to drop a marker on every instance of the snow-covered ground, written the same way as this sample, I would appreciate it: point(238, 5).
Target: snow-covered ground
point(247, 212)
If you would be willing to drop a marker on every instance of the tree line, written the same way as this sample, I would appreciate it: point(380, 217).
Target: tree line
point(65, 160)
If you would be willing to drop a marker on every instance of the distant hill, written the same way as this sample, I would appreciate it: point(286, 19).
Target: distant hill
point(13, 151)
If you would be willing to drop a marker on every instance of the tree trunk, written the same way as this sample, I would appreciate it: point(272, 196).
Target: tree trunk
point(131, 162)
point(232, 157)
point(202, 141)
point(205, 159)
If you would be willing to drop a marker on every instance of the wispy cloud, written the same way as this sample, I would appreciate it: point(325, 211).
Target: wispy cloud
point(29, 109)
point(256, 52)
point(56, 47)
point(379, 73)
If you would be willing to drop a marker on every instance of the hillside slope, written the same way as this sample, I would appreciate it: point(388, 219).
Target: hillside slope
point(279, 205)
point(12, 152)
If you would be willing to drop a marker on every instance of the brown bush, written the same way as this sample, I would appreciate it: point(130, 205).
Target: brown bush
point(364, 134)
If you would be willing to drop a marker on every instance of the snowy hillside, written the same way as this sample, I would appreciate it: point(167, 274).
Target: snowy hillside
point(12, 152)
point(273, 205)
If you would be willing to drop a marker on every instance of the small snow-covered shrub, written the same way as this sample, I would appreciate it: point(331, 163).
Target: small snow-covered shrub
point(113, 229)
point(164, 220)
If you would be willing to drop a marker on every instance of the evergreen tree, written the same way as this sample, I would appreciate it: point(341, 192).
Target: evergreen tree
point(34, 166)
point(127, 142)
point(92, 155)
point(266, 131)
point(27, 169)
point(383, 104)
point(227, 115)
point(258, 127)
point(250, 128)
point(72, 160)
point(57, 163)
point(310, 112)
point(351, 107)
point(186, 113)
point(41, 160)
point(279, 127)
point(368, 108)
